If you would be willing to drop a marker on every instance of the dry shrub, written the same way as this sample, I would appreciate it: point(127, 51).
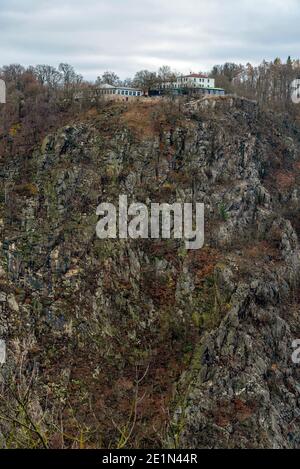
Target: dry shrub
point(202, 263)
point(138, 117)
point(284, 180)
point(26, 190)
point(261, 249)
point(160, 287)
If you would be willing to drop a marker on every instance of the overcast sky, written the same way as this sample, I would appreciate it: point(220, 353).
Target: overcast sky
point(129, 35)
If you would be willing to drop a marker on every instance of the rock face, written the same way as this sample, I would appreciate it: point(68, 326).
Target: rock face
point(140, 343)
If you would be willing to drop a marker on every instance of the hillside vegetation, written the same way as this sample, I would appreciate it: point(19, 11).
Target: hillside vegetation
point(141, 343)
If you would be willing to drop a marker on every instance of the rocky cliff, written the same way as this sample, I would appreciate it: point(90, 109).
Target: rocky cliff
point(141, 343)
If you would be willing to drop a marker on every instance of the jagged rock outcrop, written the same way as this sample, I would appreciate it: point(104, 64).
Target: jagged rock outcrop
point(198, 343)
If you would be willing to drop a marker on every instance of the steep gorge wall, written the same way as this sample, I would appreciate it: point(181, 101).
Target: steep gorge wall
point(140, 343)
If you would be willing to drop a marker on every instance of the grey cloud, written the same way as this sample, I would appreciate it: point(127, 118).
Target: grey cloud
point(127, 35)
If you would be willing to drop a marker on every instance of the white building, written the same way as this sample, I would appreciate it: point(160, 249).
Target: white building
point(118, 92)
point(193, 80)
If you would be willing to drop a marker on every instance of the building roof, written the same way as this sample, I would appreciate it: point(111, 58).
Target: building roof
point(110, 87)
point(195, 75)
point(106, 85)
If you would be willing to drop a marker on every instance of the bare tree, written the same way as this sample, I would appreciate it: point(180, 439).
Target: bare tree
point(145, 79)
point(108, 77)
point(47, 75)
